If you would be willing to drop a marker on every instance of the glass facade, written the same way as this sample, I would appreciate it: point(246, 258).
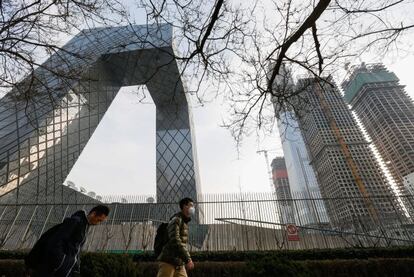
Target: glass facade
point(303, 183)
point(47, 119)
point(302, 178)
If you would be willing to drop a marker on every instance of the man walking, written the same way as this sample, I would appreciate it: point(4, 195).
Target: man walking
point(175, 258)
point(56, 253)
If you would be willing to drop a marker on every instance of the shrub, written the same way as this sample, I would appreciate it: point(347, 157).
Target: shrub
point(12, 268)
point(12, 255)
point(146, 269)
point(379, 267)
point(201, 269)
point(328, 262)
point(312, 254)
point(219, 269)
point(92, 265)
point(272, 266)
point(97, 265)
point(103, 265)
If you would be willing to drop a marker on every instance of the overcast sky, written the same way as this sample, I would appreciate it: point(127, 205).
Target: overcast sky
point(120, 156)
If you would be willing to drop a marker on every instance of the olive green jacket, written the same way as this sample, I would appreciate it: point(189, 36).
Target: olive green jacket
point(175, 250)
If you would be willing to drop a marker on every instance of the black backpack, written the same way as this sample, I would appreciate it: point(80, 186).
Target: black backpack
point(161, 238)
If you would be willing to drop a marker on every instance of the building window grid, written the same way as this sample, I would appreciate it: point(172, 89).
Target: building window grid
point(353, 137)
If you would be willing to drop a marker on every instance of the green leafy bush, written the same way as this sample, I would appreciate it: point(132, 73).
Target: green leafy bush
point(12, 255)
point(392, 262)
point(297, 255)
point(378, 267)
point(146, 269)
point(12, 268)
point(97, 265)
point(272, 266)
point(219, 269)
point(103, 265)
point(312, 254)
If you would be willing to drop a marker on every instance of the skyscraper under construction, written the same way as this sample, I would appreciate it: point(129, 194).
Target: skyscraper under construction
point(387, 114)
point(358, 196)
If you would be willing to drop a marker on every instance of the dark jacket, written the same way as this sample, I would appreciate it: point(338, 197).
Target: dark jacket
point(56, 253)
point(175, 250)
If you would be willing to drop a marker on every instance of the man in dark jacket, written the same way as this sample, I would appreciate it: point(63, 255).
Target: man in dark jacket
point(56, 253)
point(175, 258)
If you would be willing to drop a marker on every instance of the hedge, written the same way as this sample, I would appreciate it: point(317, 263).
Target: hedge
point(96, 265)
point(379, 267)
point(201, 269)
point(12, 268)
point(326, 262)
point(297, 255)
point(104, 265)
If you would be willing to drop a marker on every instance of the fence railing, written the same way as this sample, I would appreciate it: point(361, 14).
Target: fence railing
point(248, 221)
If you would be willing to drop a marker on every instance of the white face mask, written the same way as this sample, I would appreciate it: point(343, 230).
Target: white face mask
point(191, 210)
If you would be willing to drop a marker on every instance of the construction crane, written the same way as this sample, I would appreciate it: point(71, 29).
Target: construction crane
point(269, 169)
point(345, 150)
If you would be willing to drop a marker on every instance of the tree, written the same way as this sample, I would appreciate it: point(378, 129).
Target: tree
point(30, 31)
point(241, 47)
point(236, 47)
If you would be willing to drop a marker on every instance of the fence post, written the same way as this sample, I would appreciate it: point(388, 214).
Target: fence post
point(28, 226)
point(47, 218)
point(11, 227)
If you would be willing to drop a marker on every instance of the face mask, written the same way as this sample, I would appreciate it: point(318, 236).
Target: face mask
point(191, 210)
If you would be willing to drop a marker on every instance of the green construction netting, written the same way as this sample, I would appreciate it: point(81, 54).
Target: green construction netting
point(365, 78)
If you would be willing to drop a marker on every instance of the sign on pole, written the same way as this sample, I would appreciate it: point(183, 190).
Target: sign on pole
point(292, 232)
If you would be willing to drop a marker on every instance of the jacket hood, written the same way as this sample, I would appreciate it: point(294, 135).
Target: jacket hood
point(81, 215)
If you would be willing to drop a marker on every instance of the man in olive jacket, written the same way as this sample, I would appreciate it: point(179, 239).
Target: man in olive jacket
point(175, 258)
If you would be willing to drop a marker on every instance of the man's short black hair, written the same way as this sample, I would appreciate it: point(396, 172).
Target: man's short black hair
point(185, 201)
point(100, 210)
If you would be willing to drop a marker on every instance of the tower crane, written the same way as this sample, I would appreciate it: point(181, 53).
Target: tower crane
point(269, 169)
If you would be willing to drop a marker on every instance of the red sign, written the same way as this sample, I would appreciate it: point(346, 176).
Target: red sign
point(292, 232)
point(280, 173)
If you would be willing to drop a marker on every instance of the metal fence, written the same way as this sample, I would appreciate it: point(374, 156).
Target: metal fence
point(247, 221)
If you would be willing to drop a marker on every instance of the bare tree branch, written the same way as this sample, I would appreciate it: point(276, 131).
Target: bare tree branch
point(368, 10)
point(317, 47)
point(308, 23)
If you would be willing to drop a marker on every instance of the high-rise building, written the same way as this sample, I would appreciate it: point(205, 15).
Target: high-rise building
point(409, 184)
point(387, 114)
point(302, 179)
point(356, 192)
point(45, 124)
point(282, 189)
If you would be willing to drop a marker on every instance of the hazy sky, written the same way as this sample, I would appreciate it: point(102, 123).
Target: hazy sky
point(120, 156)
